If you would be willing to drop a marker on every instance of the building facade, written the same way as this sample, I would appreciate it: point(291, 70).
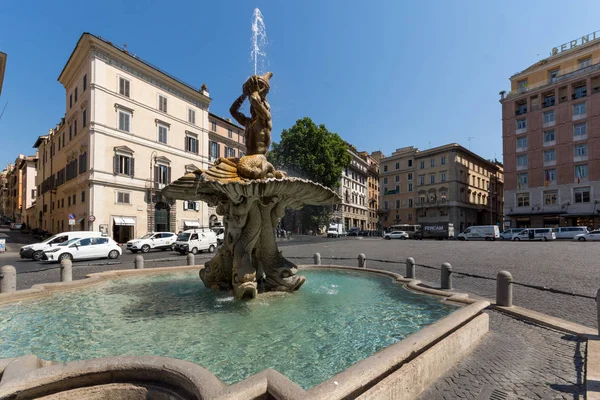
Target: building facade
point(373, 190)
point(397, 188)
point(551, 142)
point(4, 191)
point(129, 130)
point(444, 184)
point(14, 182)
point(28, 171)
point(353, 212)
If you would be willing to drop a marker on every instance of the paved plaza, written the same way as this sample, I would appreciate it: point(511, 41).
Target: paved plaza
point(517, 359)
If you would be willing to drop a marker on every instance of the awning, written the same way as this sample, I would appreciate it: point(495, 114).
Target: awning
point(192, 224)
point(124, 221)
point(80, 219)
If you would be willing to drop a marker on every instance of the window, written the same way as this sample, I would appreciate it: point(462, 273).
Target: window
point(432, 162)
point(397, 165)
point(71, 100)
point(82, 163)
point(163, 174)
point(410, 202)
point(522, 199)
point(33, 194)
point(522, 142)
point(123, 87)
point(162, 103)
point(523, 84)
point(522, 123)
point(75, 95)
point(229, 152)
point(385, 168)
point(191, 144)
point(551, 198)
point(585, 62)
point(75, 128)
point(83, 197)
point(554, 75)
point(421, 179)
point(443, 160)
point(549, 136)
point(442, 177)
point(522, 179)
point(410, 163)
point(70, 132)
point(431, 178)
point(522, 160)
point(548, 116)
point(124, 121)
point(74, 199)
point(191, 116)
point(385, 181)
point(162, 133)
point(123, 198)
point(580, 91)
point(123, 164)
point(549, 176)
point(582, 195)
point(581, 172)
point(84, 118)
point(397, 203)
point(581, 150)
point(422, 164)
point(579, 130)
point(68, 201)
point(579, 109)
point(213, 125)
point(229, 133)
point(410, 187)
point(550, 155)
point(84, 82)
point(385, 205)
point(397, 178)
point(213, 151)
point(410, 176)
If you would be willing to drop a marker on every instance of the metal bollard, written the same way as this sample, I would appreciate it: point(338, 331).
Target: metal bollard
point(139, 262)
point(446, 276)
point(190, 259)
point(317, 258)
point(410, 268)
point(362, 260)
point(66, 271)
point(598, 309)
point(8, 279)
point(504, 289)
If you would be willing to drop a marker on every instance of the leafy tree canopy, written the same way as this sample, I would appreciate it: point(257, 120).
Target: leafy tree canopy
point(312, 152)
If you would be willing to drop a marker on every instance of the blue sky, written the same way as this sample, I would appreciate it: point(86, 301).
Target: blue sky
point(382, 74)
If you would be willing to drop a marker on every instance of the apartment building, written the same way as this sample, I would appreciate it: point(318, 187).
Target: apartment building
point(27, 168)
point(2, 68)
point(15, 190)
point(128, 131)
point(373, 189)
point(551, 139)
point(225, 138)
point(4, 191)
point(353, 212)
point(397, 187)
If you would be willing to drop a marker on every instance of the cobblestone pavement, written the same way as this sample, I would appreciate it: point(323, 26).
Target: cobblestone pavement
point(568, 266)
point(523, 360)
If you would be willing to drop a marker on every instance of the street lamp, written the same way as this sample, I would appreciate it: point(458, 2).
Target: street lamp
point(491, 204)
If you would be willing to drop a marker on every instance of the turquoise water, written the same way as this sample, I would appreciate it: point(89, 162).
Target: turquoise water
point(336, 319)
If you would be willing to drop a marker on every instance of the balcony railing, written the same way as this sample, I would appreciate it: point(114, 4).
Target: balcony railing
point(431, 203)
point(565, 74)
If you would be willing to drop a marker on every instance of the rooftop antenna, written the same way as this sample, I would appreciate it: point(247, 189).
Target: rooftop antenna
point(469, 139)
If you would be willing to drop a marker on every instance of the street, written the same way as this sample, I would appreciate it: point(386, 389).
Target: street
point(565, 266)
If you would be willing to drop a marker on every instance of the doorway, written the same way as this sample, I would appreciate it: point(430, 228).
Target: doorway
point(161, 217)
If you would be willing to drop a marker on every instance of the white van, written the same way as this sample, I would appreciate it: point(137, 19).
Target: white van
point(484, 232)
point(36, 250)
point(535, 234)
point(569, 232)
point(195, 240)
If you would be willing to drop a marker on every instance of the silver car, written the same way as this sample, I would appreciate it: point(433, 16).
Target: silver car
point(396, 235)
point(509, 233)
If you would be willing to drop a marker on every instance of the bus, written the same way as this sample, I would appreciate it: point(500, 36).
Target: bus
point(410, 229)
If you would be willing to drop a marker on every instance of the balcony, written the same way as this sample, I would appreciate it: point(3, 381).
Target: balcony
point(521, 110)
point(580, 92)
point(429, 204)
point(549, 102)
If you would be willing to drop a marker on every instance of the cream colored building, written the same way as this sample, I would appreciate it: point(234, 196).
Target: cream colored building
point(4, 191)
point(372, 189)
point(129, 129)
point(28, 171)
point(353, 189)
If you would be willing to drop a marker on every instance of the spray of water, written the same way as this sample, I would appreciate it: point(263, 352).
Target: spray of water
point(259, 38)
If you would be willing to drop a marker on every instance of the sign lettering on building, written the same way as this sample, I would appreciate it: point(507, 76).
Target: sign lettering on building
point(575, 43)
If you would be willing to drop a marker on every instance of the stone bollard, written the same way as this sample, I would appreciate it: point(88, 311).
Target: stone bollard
point(504, 289)
point(598, 309)
point(446, 276)
point(362, 260)
point(139, 262)
point(410, 268)
point(8, 279)
point(317, 258)
point(66, 271)
point(190, 259)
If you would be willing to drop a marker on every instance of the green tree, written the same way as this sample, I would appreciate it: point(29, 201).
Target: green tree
point(310, 151)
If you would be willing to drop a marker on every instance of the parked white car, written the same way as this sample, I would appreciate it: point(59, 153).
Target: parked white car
point(36, 250)
point(535, 234)
point(569, 232)
point(483, 232)
point(591, 236)
point(396, 235)
point(509, 233)
point(84, 249)
point(152, 241)
point(195, 240)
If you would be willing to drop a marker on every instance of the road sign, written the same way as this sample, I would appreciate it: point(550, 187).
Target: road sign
point(71, 216)
point(71, 222)
point(91, 218)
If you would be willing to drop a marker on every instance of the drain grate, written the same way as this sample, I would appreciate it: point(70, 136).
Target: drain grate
point(490, 393)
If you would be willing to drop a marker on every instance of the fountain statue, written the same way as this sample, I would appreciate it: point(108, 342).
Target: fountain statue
point(251, 195)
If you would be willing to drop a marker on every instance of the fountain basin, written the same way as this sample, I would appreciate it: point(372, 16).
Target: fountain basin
point(337, 320)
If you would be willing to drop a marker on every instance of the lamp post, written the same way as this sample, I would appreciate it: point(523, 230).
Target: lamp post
point(491, 203)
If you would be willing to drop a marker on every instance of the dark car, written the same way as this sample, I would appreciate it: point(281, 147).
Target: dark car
point(17, 227)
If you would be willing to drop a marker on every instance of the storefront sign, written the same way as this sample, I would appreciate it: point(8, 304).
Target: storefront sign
point(574, 43)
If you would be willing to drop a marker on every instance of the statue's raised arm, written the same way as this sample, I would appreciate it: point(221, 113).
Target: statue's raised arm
point(235, 110)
